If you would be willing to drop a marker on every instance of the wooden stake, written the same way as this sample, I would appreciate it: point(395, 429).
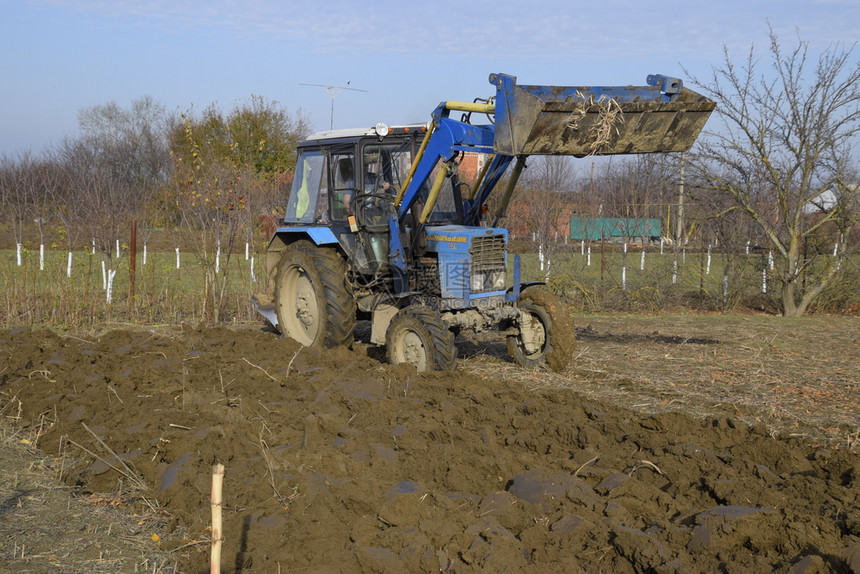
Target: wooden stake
point(217, 535)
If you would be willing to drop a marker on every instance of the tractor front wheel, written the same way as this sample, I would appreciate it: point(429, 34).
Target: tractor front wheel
point(419, 337)
point(547, 334)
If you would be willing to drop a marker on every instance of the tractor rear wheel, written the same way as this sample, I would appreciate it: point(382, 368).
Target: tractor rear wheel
point(419, 337)
point(313, 300)
point(547, 334)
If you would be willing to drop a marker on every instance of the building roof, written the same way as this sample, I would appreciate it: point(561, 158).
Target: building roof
point(823, 203)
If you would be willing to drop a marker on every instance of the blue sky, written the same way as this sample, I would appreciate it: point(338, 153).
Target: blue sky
point(60, 56)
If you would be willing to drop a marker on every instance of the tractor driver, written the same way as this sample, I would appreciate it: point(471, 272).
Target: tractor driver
point(374, 183)
point(344, 186)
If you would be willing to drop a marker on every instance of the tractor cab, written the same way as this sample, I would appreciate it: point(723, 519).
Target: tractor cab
point(347, 181)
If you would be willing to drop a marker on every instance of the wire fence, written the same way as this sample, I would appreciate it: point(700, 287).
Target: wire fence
point(608, 276)
point(47, 286)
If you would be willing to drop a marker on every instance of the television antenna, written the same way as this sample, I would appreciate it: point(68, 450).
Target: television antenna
point(333, 91)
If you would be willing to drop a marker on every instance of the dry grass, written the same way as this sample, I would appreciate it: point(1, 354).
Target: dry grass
point(798, 377)
point(47, 526)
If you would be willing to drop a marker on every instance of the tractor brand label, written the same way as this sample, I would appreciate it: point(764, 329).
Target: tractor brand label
point(448, 238)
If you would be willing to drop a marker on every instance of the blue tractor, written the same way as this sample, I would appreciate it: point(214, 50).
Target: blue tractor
point(379, 226)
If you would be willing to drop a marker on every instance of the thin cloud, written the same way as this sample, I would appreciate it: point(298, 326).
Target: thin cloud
point(553, 30)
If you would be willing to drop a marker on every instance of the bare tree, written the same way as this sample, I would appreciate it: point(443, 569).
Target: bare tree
point(72, 197)
point(207, 194)
point(227, 171)
point(26, 185)
point(783, 145)
point(46, 179)
point(263, 138)
point(112, 171)
point(15, 180)
point(541, 205)
point(129, 157)
point(635, 189)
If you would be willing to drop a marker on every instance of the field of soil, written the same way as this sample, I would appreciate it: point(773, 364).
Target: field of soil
point(672, 444)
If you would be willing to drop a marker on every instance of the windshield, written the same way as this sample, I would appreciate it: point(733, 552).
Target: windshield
point(385, 165)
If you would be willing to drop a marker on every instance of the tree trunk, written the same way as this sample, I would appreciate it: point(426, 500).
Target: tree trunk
point(789, 307)
point(210, 307)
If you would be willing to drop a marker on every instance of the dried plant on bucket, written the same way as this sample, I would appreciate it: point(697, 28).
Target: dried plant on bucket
point(609, 117)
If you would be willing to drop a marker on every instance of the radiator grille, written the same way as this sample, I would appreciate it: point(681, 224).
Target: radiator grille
point(488, 263)
point(488, 253)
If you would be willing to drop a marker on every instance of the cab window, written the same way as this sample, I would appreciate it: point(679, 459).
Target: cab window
point(308, 198)
point(343, 178)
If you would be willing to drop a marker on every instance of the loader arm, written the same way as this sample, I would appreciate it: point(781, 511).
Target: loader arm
point(445, 139)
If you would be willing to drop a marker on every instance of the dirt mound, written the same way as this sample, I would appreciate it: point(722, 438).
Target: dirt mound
point(337, 462)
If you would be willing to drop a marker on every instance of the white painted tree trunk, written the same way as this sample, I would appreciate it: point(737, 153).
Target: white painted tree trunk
point(18, 247)
point(177, 258)
point(41, 257)
point(708, 266)
point(111, 274)
point(69, 265)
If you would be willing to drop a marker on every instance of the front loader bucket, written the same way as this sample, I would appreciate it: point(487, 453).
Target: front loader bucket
point(581, 121)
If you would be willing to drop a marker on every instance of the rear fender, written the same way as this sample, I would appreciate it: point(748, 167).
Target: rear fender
point(285, 236)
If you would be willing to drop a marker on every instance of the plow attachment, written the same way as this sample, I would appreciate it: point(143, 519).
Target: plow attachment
point(580, 121)
point(265, 306)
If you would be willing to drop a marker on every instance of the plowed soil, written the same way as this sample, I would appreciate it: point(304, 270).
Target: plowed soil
point(337, 462)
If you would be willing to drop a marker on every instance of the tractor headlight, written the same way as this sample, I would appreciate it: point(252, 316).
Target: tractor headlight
point(477, 282)
point(499, 279)
point(488, 281)
point(381, 129)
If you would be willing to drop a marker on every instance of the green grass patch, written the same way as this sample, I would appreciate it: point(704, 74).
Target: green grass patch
point(163, 293)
